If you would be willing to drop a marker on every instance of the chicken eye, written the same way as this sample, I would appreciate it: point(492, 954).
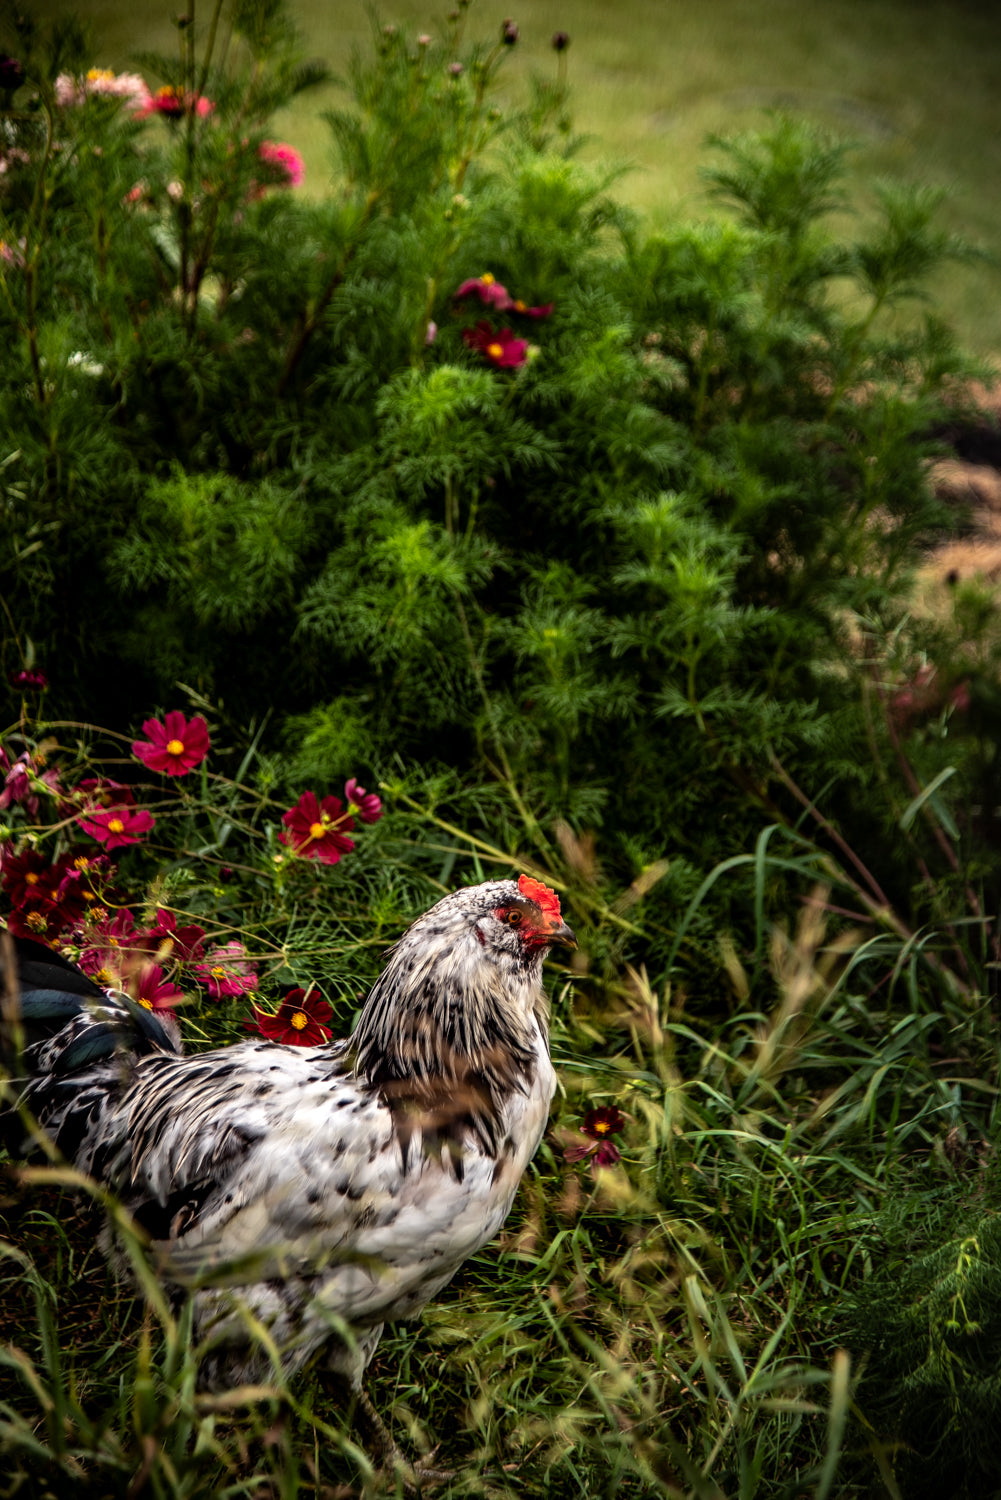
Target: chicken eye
point(513, 918)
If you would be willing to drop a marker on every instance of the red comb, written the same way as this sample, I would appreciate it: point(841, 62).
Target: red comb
point(535, 891)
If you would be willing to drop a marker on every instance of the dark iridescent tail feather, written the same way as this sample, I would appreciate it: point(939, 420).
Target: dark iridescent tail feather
point(59, 1036)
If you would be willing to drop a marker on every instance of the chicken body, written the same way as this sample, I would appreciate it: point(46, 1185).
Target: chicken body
point(322, 1191)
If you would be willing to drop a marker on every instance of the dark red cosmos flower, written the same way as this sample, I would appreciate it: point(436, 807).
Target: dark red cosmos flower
point(44, 903)
point(176, 746)
point(166, 941)
point(501, 349)
point(368, 805)
point(600, 1125)
point(226, 971)
point(101, 791)
point(302, 1020)
point(116, 827)
point(28, 679)
point(316, 830)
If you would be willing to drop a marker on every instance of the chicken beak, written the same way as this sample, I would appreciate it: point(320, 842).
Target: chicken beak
point(561, 933)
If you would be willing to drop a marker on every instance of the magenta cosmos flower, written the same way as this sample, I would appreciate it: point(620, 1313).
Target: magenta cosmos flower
point(488, 289)
point(174, 747)
point(302, 1020)
point(367, 805)
point(599, 1125)
point(117, 826)
point(154, 991)
point(501, 349)
point(227, 971)
point(317, 830)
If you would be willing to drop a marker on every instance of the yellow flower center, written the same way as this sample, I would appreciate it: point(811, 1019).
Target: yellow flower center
point(146, 1004)
point(300, 1019)
point(518, 305)
point(317, 830)
point(601, 1127)
point(81, 862)
point(96, 75)
point(218, 972)
point(31, 878)
point(487, 279)
point(175, 747)
point(115, 825)
point(495, 350)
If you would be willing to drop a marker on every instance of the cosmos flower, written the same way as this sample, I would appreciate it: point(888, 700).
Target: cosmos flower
point(103, 83)
point(152, 990)
point(227, 971)
point(116, 827)
point(599, 1125)
point(166, 941)
point(488, 289)
point(302, 1020)
point(501, 349)
point(368, 805)
point(174, 747)
point(286, 162)
point(317, 830)
point(28, 678)
point(172, 103)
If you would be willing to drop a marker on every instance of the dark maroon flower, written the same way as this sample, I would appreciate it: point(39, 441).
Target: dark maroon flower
point(316, 830)
point(600, 1125)
point(11, 73)
point(560, 41)
point(501, 349)
point(368, 805)
point(302, 1020)
point(28, 678)
point(487, 289)
point(176, 746)
point(44, 903)
point(227, 971)
point(117, 826)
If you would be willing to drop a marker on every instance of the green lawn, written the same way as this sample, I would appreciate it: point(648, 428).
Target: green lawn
point(913, 82)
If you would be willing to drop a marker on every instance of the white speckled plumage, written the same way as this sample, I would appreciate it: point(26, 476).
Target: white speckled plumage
point(340, 1186)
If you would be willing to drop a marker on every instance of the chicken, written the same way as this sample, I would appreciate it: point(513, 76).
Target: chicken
point(316, 1191)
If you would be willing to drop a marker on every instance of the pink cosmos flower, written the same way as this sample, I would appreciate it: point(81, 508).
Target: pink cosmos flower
point(286, 161)
point(176, 746)
point(368, 804)
point(227, 971)
point(102, 82)
point(317, 830)
point(302, 1020)
point(17, 783)
point(116, 827)
point(501, 349)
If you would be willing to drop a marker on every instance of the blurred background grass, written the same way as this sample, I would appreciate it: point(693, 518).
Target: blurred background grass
point(914, 83)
